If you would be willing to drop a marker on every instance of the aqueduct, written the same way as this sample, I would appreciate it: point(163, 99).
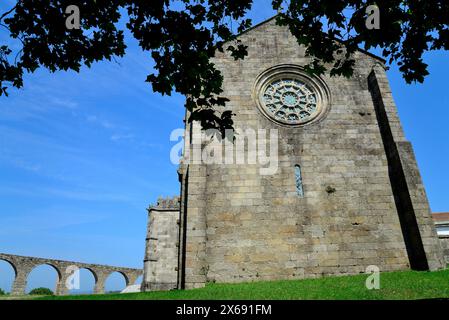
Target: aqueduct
point(24, 265)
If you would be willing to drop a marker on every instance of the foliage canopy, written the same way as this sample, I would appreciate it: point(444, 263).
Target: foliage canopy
point(183, 35)
point(41, 292)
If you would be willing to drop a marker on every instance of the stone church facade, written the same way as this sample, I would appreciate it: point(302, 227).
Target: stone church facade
point(347, 192)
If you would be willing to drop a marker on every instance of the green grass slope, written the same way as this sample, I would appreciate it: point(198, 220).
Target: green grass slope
point(393, 285)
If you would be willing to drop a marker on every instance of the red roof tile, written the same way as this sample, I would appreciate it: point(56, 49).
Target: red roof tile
point(440, 216)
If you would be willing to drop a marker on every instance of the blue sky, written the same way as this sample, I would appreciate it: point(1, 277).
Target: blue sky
point(83, 155)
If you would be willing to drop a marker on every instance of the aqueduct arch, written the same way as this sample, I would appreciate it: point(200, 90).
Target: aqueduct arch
point(10, 270)
point(11, 264)
point(88, 280)
point(23, 266)
point(39, 267)
point(117, 276)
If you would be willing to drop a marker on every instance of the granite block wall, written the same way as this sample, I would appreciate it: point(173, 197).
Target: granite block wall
point(244, 226)
point(161, 253)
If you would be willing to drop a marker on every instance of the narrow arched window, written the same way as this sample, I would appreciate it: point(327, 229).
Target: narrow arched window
point(298, 177)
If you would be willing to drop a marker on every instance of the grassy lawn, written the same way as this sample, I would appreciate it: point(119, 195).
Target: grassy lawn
point(393, 285)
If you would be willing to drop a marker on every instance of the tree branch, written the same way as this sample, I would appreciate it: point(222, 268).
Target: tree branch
point(7, 12)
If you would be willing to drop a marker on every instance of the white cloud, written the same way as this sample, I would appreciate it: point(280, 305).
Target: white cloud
point(101, 122)
point(117, 137)
point(67, 103)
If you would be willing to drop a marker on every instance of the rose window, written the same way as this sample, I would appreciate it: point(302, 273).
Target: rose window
point(290, 101)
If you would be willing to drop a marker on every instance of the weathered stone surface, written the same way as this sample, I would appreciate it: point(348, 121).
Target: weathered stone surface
point(363, 200)
point(24, 265)
point(161, 255)
point(441, 220)
point(445, 245)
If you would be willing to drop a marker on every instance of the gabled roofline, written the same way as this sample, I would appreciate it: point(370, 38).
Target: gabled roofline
point(257, 25)
point(372, 55)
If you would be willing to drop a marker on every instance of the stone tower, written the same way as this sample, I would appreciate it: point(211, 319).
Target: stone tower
point(346, 192)
point(161, 251)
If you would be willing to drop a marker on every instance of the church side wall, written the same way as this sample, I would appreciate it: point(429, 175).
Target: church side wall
point(256, 227)
point(194, 208)
point(244, 226)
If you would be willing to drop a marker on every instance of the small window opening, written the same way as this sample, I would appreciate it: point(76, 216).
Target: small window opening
point(298, 177)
